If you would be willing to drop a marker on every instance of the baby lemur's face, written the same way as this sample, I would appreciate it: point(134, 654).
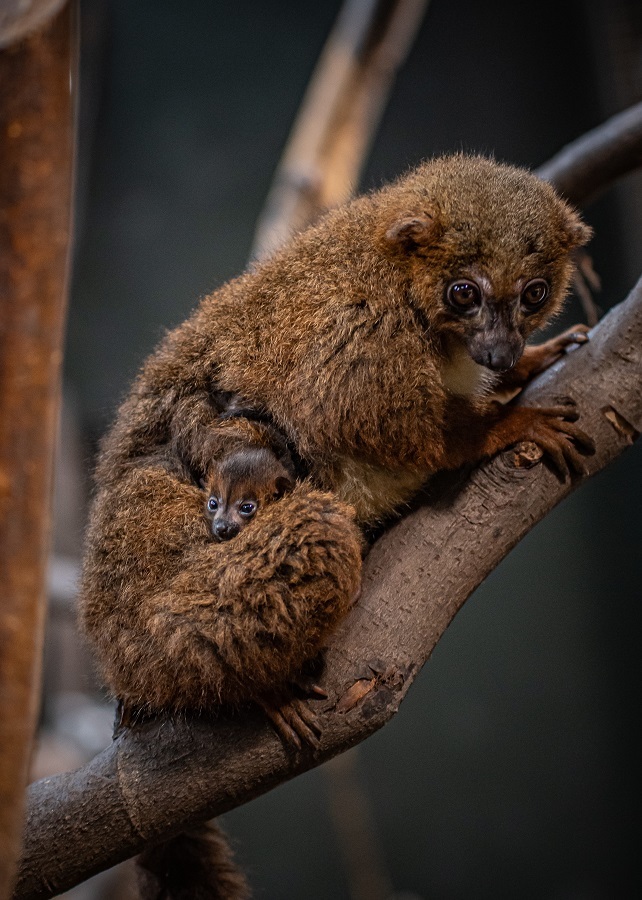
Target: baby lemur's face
point(490, 254)
point(239, 485)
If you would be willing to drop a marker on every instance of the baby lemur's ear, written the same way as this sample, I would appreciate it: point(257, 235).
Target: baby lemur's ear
point(411, 233)
point(284, 484)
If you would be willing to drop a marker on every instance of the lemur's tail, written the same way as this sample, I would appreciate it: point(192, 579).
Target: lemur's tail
point(195, 865)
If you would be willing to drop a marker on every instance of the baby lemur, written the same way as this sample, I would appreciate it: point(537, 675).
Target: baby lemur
point(239, 484)
point(373, 342)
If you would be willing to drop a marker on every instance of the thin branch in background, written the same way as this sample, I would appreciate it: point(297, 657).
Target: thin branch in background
point(587, 166)
point(36, 141)
point(19, 19)
point(584, 169)
point(585, 282)
point(339, 115)
point(354, 823)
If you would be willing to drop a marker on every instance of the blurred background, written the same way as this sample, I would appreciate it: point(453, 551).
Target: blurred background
point(511, 770)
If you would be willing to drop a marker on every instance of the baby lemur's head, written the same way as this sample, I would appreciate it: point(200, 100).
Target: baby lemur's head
point(488, 248)
point(239, 484)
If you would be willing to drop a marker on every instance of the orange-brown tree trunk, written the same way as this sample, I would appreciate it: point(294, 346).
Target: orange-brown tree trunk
point(36, 150)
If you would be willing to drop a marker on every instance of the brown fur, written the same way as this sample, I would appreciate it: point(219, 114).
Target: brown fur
point(346, 341)
point(182, 868)
point(241, 483)
point(185, 622)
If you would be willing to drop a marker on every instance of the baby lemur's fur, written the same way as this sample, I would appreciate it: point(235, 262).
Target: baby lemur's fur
point(239, 484)
point(372, 342)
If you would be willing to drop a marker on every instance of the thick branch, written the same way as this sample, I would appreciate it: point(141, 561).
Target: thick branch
point(163, 776)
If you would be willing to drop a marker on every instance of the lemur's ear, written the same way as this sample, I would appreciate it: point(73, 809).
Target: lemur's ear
point(283, 484)
point(576, 232)
point(411, 234)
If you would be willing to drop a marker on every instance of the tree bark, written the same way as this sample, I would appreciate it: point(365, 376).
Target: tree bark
point(36, 142)
point(159, 778)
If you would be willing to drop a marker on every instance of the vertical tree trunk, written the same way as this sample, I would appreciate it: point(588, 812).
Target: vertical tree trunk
point(36, 150)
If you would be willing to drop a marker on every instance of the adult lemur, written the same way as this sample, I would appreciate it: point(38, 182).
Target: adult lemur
point(372, 343)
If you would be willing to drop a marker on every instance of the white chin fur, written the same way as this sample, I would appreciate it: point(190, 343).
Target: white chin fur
point(461, 375)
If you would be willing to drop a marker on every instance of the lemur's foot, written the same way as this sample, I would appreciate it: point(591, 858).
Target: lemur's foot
point(550, 351)
point(554, 430)
point(294, 721)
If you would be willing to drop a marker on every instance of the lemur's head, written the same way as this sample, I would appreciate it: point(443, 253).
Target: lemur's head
point(238, 485)
point(488, 250)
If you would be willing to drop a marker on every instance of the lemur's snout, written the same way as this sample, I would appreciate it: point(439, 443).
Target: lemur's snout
point(224, 531)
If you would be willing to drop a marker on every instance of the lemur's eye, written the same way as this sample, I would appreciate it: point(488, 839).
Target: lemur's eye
point(534, 294)
point(247, 509)
point(463, 295)
point(212, 504)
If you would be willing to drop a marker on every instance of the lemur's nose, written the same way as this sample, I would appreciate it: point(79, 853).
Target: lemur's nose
point(499, 359)
point(225, 530)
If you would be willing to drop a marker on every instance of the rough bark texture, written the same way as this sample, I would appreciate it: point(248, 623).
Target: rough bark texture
point(35, 188)
point(163, 776)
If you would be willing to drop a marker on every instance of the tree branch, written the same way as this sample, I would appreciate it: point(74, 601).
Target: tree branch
point(587, 166)
point(161, 777)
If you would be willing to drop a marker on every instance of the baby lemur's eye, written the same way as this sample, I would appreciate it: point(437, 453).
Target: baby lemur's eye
point(463, 295)
point(534, 294)
point(247, 509)
point(212, 504)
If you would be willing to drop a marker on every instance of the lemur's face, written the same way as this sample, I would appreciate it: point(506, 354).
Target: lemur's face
point(488, 254)
point(492, 318)
point(230, 510)
point(239, 485)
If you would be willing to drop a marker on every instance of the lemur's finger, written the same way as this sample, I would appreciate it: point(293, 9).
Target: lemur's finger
point(287, 734)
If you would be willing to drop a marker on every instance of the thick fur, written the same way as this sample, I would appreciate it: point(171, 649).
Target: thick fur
point(186, 622)
point(197, 865)
point(345, 341)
